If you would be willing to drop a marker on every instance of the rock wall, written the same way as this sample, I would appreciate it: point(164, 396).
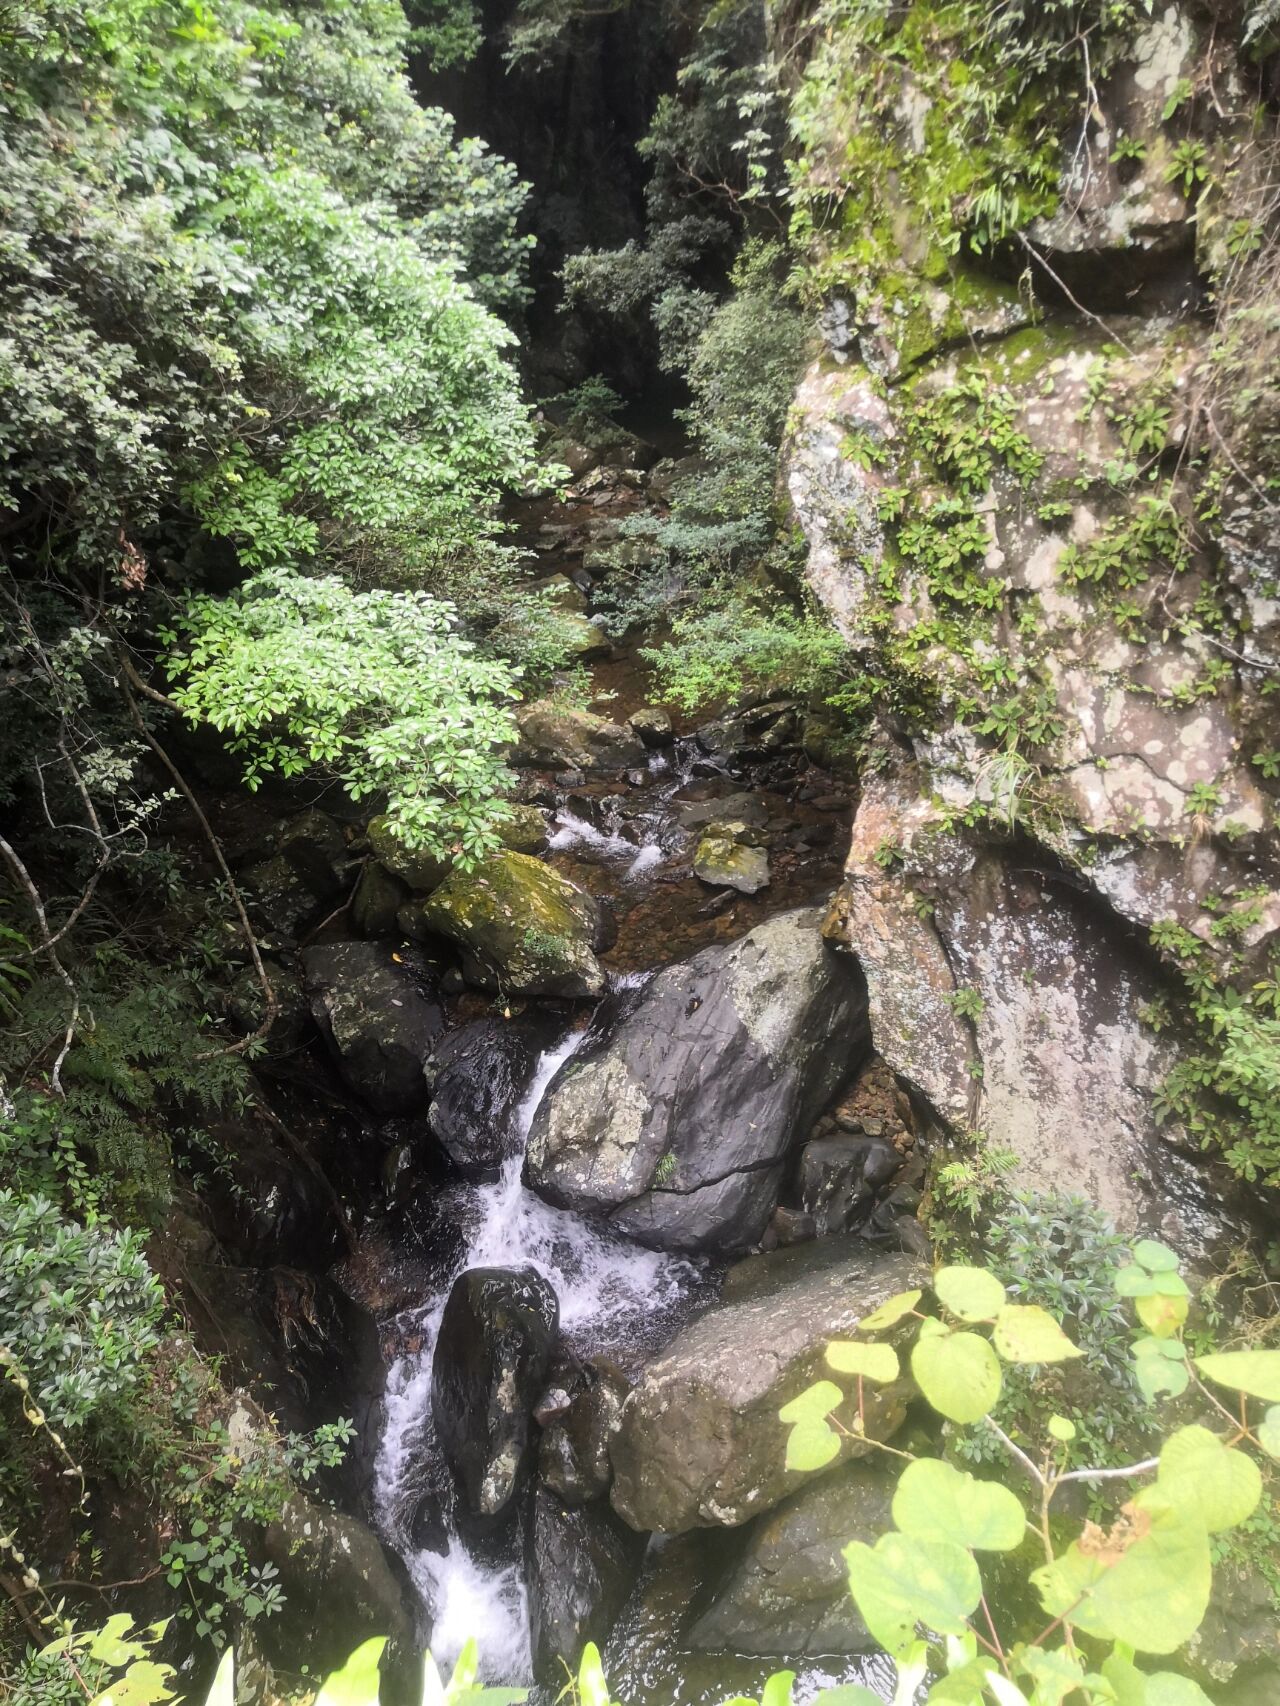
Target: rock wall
point(1021, 506)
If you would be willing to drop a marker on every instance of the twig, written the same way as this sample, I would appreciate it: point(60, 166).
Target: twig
point(47, 947)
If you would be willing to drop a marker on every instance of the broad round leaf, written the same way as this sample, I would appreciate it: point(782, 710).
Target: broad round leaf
point(1162, 1315)
point(1167, 1688)
point(932, 1498)
point(1200, 1475)
point(903, 1580)
point(1268, 1431)
point(814, 1402)
point(872, 1362)
point(1254, 1372)
point(958, 1373)
point(971, 1293)
point(1060, 1428)
point(1157, 1258)
point(1145, 1583)
point(846, 1694)
point(1026, 1333)
point(890, 1312)
point(811, 1444)
point(356, 1683)
point(1160, 1365)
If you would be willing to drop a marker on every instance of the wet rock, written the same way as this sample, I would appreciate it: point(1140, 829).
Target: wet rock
point(724, 862)
point(573, 1453)
point(790, 1226)
point(738, 808)
point(491, 1362)
point(339, 1588)
point(653, 725)
point(838, 1178)
point(377, 900)
point(562, 594)
point(678, 1127)
point(788, 1591)
point(756, 733)
point(580, 639)
point(1069, 1071)
point(521, 926)
point(582, 1563)
point(609, 552)
point(478, 1076)
point(267, 1207)
point(699, 1443)
point(379, 1017)
point(1239, 1634)
point(303, 873)
point(418, 870)
point(523, 830)
point(558, 737)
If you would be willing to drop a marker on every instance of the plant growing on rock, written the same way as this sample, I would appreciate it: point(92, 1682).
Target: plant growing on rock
point(1139, 1586)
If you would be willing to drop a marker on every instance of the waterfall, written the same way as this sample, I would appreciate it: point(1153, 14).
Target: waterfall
point(613, 1295)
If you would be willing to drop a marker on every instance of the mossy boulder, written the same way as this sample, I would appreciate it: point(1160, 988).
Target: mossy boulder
point(522, 927)
point(726, 863)
point(523, 830)
point(416, 868)
point(562, 737)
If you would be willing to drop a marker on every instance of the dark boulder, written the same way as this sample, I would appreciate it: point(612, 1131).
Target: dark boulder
point(678, 1127)
point(301, 873)
point(757, 733)
point(840, 1177)
point(699, 1443)
point(788, 1591)
point(478, 1076)
point(340, 1589)
point(379, 1016)
point(582, 1562)
point(573, 1453)
point(491, 1363)
point(378, 898)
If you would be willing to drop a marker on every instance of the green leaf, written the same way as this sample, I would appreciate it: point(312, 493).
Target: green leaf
point(1268, 1431)
point(1055, 1674)
point(958, 1373)
point(932, 1498)
point(814, 1402)
point(903, 1580)
point(1146, 1582)
point(777, 1691)
point(1200, 1475)
point(222, 1688)
point(811, 1445)
point(1157, 1258)
point(356, 1683)
point(872, 1362)
point(1061, 1429)
point(1026, 1333)
point(970, 1293)
point(1167, 1688)
point(593, 1690)
point(1162, 1316)
point(846, 1694)
point(890, 1312)
point(1254, 1372)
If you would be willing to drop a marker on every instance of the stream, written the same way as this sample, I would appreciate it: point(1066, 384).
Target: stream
point(628, 841)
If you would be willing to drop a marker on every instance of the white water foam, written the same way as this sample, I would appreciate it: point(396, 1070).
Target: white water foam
point(609, 1290)
point(574, 831)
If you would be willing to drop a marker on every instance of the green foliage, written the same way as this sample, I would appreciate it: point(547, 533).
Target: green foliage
point(80, 1311)
point(377, 687)
point(1225, 1088)
point(731, 644)
point(1140, 1586)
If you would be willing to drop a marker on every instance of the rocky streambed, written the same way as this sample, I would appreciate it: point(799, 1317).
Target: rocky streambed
point(639, 1164)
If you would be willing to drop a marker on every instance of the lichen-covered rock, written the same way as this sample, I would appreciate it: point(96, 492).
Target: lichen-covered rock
point(379, 1016)
point(721, 860)
point(417, 869)
point(1007, 1005)
point(653, 725)
point(678, 1127)
point(339, 1588)
point(573, 1453)
point(560, 737)
point(523, 829)
point(699, 1444)
point(521, 925)
point(754, 733)
point(302, 873)
point(788, 1590)
point(491, 1359)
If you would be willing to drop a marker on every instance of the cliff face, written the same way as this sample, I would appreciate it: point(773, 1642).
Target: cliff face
point(1032, 471)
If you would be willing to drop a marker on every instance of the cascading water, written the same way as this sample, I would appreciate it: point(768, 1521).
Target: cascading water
point(612, 1293)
